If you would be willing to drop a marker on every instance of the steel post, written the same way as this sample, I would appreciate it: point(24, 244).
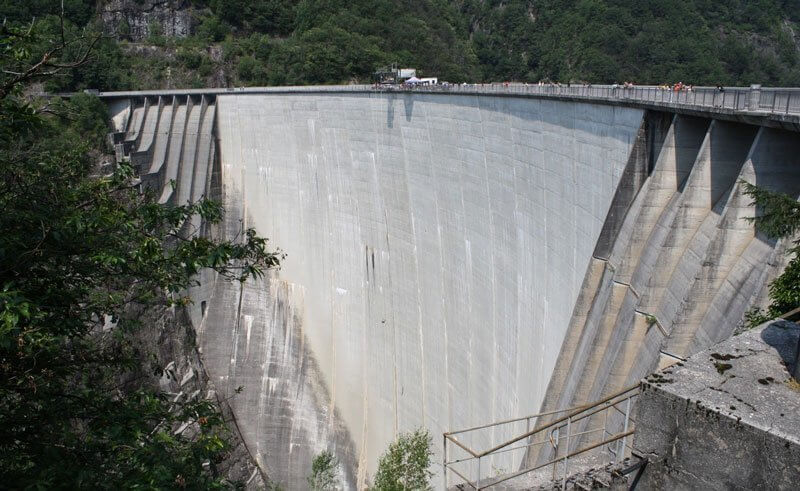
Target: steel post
point(557, 433)
point(566, 455)
point(621, 452)
point(478, 480)
point(444, 459)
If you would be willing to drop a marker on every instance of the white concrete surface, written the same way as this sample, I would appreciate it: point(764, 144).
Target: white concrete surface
point(439, 243)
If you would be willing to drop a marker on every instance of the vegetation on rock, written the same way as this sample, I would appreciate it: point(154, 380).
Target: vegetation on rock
point(281, 42)
point(84, 255)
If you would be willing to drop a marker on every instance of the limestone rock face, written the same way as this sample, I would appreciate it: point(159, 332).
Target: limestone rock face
point(135, 20)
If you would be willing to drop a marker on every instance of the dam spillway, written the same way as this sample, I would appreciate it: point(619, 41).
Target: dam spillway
point(453, 259)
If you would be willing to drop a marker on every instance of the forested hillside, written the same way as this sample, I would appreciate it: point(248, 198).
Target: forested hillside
point(272, 42)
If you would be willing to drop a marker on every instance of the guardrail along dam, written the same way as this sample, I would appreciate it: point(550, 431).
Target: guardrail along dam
point(456, 258)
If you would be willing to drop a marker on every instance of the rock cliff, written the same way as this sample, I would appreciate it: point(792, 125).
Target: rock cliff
point(136, 20)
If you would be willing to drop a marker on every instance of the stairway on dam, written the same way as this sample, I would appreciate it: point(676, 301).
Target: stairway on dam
point(454, 259)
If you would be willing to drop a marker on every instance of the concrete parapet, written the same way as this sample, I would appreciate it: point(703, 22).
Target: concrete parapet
point(773, 107)
point(726, 418)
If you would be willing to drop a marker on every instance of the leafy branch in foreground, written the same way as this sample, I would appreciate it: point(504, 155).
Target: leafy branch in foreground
point(26, 55)
point(86, 261)
point(778, 217)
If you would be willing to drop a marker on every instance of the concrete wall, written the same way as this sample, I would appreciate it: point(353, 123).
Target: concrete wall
point(686, 264)
point(726, 418)
point(437, 244)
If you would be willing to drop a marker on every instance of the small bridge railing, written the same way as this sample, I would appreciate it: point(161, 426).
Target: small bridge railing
point(559, 437)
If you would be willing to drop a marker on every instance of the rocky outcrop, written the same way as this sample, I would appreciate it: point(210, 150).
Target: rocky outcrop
point(167, 340)
point(135, 20)
point(166, 134)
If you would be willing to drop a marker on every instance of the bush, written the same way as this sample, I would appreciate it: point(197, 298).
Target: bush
point(405, 463)
point(212, 29)
point(155, 34)
point(248, 69)
point(323, 472)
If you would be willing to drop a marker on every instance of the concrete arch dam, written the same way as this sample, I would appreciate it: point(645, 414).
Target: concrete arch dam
point(454, 259)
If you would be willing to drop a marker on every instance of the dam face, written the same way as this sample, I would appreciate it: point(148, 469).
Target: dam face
point(452, 259)
point(424, 234)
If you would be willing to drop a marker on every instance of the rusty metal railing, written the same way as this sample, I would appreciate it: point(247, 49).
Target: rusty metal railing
point(560, 434)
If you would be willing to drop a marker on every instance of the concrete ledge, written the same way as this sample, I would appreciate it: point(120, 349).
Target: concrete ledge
point(727, 418)
point(787, 121)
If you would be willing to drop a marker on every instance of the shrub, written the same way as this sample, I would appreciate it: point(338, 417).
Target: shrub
point(212, 29)
point(323, 472)
point(405, 463)
point(248, 68)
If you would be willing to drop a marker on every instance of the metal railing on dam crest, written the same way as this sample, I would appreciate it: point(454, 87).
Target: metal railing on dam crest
point(781, 104)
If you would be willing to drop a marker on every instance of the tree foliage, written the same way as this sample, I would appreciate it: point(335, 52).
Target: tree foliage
point(778, 217)
point(404, 465)
point(323, 472)
point(699, 42)
point(85, 254)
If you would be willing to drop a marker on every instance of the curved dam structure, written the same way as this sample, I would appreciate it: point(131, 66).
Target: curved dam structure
point(454, 259)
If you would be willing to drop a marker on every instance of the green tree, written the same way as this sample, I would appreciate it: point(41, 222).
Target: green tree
point(155, 33)
point(323, 472)
point(778, 217)
point(404, 465)
point(212, 29)
point(85, 255)
point(248, 69)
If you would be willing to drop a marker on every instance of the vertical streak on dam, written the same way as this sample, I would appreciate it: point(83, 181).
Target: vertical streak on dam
point(436, 247)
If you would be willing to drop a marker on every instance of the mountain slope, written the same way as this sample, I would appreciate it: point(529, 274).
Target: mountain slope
point(175, 43)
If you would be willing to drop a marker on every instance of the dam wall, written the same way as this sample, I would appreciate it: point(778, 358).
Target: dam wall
point(685, 267)
point(438, 243)
point(453, 259)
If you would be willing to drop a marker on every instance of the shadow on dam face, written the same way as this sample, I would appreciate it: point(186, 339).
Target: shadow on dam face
point(440, 270)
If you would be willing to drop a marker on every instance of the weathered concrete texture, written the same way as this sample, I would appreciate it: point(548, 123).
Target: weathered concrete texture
point(168, 138)
point(641, 160)
point(685, 264)
point(439, 243)
point(726, 418)
point(270, 378)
